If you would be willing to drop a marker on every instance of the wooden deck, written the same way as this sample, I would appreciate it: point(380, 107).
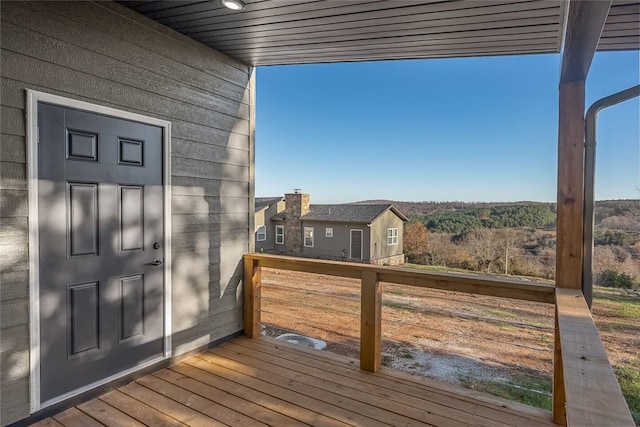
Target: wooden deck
point(258, 382)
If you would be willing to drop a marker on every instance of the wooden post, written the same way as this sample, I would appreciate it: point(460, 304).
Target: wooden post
point(569, 253)
point(584, 24)
point(252, 159)
point(252, 298)
point(370, 322)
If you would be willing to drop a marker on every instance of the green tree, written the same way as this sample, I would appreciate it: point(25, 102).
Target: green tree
point(613, 279)
point(457, 222)
point(613, 238)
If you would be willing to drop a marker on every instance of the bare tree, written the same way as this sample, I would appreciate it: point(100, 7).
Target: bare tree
point(415, 240)
point(491, 248)
point(440, 249)
point(483, 246)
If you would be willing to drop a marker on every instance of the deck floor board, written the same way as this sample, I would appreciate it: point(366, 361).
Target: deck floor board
point(390, 377)
point(263, 382)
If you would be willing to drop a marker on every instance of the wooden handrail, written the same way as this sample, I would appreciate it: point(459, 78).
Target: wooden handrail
point(371, 277)
point(586, 391)
point(591, 391)
point(467, 283)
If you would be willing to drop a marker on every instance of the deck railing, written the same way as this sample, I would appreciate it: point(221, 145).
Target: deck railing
point(585, 388)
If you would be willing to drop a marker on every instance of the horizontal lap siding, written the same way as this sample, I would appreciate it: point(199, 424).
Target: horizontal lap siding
point(379, 235)
point(106, 54)
point(332, 247)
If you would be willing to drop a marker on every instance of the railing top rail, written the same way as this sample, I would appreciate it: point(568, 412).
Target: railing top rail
point(592, 393)
point(467, 283)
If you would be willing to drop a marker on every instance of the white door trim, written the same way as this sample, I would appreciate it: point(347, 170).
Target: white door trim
point(351, 230)
point(33, 97)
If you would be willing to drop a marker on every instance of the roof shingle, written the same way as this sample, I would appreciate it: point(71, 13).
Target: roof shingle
point(263, 202)
point(345, 213)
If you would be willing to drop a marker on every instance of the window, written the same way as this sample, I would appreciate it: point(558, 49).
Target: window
point(308, 237)
point(261, 234)
point(279, 234)
point(392, 236)
point(328, 232)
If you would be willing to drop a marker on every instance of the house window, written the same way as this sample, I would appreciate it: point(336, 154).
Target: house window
point(308, 237)
point(392, 236)
point(261, 234)
point(279, 234)
point(328, 232)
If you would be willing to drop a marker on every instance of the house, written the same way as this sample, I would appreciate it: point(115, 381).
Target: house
point(353, 232)
point(265, 209)
point(127, 178)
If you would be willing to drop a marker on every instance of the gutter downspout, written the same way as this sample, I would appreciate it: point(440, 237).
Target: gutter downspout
point(589, 182)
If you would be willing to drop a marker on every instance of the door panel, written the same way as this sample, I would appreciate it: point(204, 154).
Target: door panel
point(83, 225)
point(130, 152)
point(131, 217)
point(82, 146)
point(132, 306)
point(100, 211)
point(83, 315)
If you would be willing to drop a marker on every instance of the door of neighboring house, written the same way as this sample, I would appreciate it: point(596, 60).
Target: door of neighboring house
point(356, 244)
point(101, 225)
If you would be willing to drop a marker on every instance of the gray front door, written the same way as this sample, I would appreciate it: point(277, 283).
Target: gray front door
point(100, 209)
point(356, 244)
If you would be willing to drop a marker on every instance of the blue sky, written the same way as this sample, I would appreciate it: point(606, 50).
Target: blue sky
point(476, 129)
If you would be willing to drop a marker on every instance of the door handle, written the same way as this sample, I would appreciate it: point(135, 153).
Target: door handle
point(155, 262)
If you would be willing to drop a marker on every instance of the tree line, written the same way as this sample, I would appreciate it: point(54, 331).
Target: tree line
point(463, 221)
point(520, 240)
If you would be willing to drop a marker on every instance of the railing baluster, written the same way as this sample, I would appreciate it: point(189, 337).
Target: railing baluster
point(370, 321)
point(252, 297)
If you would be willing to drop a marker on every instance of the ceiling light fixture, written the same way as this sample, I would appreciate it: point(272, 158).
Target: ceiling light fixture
point(233, 4)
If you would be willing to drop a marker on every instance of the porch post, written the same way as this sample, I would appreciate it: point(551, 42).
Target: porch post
point(569, 252)
point(252, 297)
point(370, 322)
point(569, 255)
point(584, 24)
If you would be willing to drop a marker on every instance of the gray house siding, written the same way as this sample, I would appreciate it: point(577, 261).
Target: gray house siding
point(106, 54)
point(332, 247)
point(261, 246)
point(278, 248)
point(379, 232)
point(263, 217)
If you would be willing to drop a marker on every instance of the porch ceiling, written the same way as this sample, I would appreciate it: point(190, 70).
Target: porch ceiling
point(280, 32)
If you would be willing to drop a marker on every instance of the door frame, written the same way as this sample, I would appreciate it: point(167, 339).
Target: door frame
point(33, 98)
point(351, 230)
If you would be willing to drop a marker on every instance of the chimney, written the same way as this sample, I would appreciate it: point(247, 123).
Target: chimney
point(296, 205)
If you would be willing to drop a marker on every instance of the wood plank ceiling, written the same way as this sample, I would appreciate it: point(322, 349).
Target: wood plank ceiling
point(280, 32)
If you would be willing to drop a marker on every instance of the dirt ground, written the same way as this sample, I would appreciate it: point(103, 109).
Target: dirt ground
point(445, 335)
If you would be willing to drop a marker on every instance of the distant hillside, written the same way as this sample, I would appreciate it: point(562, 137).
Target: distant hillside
point(430, 208)
point(441, 216)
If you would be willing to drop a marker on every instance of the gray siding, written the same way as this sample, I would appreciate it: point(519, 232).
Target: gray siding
point(332, 247)
point(106, 54)
point(379, 233)
point(261, 246)
point(263, 217)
